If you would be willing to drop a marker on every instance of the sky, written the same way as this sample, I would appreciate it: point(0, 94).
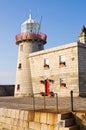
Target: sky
point(61, 21)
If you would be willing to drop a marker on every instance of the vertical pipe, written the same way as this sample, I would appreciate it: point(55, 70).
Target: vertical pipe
point(56, 102)
point(71, 100)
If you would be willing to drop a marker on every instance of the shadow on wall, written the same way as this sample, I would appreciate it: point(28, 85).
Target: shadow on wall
point(82, 94)
point(80, 120)
point(7, 90)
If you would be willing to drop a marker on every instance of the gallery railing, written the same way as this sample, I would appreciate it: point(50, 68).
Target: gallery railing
point(74, 101)
point(57, 103)
point(45, 103)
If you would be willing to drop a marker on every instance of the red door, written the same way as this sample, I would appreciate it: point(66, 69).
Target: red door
point(47, 87)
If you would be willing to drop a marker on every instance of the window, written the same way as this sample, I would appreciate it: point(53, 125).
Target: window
point(62, 82)
point(18, 87)
point(39, 46)
point(46, 63)
point(62, 61)
point(21, 47)
point(19, 66)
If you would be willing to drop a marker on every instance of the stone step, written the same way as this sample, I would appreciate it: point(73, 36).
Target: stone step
point(75, 127)
point(68, 122)
point(66, 116)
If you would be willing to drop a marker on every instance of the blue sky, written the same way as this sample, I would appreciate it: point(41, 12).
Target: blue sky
point(61, 21)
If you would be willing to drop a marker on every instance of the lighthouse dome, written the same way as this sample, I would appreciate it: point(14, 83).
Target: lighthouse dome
point(30, 25)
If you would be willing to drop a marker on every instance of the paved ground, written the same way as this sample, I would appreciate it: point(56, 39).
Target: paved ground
point(41, 103)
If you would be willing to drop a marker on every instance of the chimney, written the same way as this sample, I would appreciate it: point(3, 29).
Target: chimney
point(82, 35)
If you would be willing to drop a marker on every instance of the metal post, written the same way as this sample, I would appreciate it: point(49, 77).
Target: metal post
point(44, 102)
point(33, 102)
point(57, 102)
point(71, 100)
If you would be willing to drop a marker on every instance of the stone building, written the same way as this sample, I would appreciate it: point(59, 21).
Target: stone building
point(63, 66)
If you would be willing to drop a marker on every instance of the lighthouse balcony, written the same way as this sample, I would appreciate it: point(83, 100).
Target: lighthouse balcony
point(30, 37)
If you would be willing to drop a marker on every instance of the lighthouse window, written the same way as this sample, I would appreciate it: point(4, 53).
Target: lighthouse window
point(39, 46)
point(21, 47)
point(19, 66)
point(62, 82)
point(18, 86)
point(46, 63)
point(62, 60)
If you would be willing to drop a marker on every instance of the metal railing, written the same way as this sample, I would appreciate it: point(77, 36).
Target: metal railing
point(76, 101)
point(45, 103)
point(60, 104)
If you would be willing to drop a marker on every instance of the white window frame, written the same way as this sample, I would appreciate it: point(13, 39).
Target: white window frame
point(46, 62)
point(62, 82)
point(62, 60)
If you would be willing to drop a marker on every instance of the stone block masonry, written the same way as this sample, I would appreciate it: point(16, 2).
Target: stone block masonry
point(13, 119)
point(68, 72)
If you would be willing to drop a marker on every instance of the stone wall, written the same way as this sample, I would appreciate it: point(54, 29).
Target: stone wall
point(80, 118)
point(33, 71)
point(23, 85)
point(82, 66)
point(12, 119)
point(69, 72)
point(7, 90)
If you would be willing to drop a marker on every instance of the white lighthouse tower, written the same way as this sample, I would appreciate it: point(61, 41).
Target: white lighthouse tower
point(29, 40)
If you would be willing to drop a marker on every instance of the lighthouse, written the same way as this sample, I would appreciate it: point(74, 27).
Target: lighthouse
point(29, 40)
